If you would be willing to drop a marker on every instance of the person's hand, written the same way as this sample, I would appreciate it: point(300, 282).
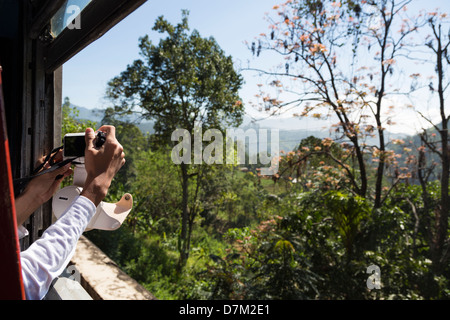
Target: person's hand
point(101, 164)
point(40, 189)
point(43, 187)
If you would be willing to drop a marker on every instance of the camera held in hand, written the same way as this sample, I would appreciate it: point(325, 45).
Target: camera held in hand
point(109, 216)
point(75, 144)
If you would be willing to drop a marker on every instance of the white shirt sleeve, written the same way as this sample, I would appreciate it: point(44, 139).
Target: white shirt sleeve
point(48, 256)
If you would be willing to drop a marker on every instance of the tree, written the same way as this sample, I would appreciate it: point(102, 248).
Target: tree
point(70, 122)
point(439, 47)
point(435, 139)
point(340, 58)
point(320, 164)
point(184, 81)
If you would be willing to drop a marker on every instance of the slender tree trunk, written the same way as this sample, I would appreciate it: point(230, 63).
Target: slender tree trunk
point(443, 212)
point(362, 168)
point(381, 165)
point(183, 245)
point(381, 92)
point(442, 218)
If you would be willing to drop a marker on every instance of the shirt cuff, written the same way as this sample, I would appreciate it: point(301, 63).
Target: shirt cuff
point(22, 232)
point(87, 202)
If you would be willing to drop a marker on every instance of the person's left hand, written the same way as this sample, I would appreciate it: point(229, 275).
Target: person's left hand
point(44, 187)
point(40, 189)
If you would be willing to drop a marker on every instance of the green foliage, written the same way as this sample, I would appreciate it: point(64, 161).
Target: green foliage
point(347, 212)
point(250, 244)
point(182, 80)
point(158, 207)
point(70, 123)
point(244, 236)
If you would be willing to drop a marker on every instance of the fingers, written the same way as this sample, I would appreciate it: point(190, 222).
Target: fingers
point(60, 177)
point(110, 157)
point(122, 156)
point(42, 164)
point(55, 173)
point(39, 162)
point(43, 186)
point(89, 138)
point(110, 132)
point(58, 157)
point(108, 129)
point(61, 172)
point(56, 183)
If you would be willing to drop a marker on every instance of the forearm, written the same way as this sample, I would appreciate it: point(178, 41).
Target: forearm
point(95, 189)
point(39, 191)
point(26, 204)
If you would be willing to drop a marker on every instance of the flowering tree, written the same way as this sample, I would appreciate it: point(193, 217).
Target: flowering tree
point(340, 58)
point(435, 139)
point(344, 60)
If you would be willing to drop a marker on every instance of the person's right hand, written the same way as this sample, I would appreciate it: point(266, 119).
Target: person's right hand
point(101, 164)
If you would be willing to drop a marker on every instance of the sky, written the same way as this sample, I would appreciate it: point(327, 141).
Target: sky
point(230, 22)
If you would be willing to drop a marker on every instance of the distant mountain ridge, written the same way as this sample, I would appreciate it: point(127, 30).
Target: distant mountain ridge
point(290, 129)
point(96, 115)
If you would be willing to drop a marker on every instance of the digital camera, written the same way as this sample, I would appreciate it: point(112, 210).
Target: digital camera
point(108, 216)
point(75, 144)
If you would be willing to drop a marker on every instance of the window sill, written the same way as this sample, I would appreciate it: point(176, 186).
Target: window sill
point(102, 278)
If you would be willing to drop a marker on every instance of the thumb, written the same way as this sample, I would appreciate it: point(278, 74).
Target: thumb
point(89, 138)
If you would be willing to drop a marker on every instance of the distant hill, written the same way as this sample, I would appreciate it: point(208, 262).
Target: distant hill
point(96, 115)
point(291, 130)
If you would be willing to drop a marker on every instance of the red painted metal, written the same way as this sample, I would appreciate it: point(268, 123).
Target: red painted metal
point(11, 284)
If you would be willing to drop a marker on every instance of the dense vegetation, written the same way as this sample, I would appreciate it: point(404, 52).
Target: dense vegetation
point(335, 208)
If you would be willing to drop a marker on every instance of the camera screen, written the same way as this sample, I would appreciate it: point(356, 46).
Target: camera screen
point(74, 146)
